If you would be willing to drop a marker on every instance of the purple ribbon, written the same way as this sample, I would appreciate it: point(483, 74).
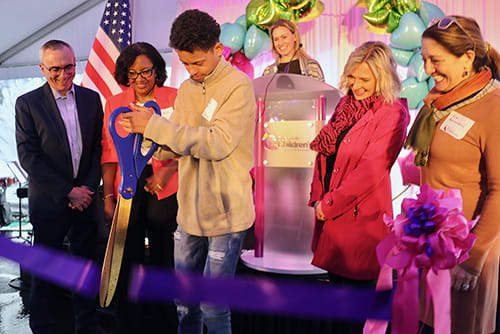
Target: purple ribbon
point(68, 271)
point(253, 294)
point(246, 293)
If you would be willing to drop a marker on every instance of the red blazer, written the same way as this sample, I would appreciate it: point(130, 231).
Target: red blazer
point(165, 97)
point(359, 193)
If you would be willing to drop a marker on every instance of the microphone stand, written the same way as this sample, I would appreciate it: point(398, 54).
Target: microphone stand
point(287, 68)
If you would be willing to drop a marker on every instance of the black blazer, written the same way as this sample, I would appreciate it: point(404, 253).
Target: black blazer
point(43, 147)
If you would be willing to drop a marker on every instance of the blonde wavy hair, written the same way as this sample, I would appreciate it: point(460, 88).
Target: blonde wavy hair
point(379, 58)
point(292, 27)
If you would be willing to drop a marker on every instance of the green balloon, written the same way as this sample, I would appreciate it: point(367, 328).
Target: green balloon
point(377, 18)
point(393, 21)
point(376, 5)
point(263, 13)
point(292, 3)
point(315, 11)
point(412, 5)
point(281, 4)
point(259, 12)
point(405, 6)
point(302, 11)
point(389, 12)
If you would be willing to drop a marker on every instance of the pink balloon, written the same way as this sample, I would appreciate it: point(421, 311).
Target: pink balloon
point(226, 53)
point(241, 62)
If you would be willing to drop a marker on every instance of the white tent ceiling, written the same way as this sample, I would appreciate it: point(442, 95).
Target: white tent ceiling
point(25, 25)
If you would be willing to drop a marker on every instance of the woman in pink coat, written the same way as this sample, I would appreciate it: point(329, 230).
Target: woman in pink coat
point(351, 186)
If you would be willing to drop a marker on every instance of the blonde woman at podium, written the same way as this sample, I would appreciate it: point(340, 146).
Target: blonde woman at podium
point(289, 54)
point(351, 186)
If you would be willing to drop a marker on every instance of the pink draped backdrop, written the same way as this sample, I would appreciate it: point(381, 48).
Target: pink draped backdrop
point(333, 35)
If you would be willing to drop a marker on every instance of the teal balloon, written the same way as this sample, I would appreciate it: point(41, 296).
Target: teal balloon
point(428, 11)
point(431, 83)
point(414, 91)
point(232, 35)
point(420, 105)
point(242, 20)
point(408, 35)
point(402, 57)
point(416, 67)
point(256, 41)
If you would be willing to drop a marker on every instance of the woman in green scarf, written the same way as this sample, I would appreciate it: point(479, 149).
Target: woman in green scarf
point(456, 139)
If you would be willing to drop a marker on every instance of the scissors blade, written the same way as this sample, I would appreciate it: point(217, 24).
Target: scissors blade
point(114, 251)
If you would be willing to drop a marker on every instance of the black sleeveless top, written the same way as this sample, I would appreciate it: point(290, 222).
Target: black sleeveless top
point(293, 67)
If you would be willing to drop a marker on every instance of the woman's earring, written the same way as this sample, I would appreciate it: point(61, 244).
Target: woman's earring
point(465, 74)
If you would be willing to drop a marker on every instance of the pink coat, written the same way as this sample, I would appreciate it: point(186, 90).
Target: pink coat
point(360, 193)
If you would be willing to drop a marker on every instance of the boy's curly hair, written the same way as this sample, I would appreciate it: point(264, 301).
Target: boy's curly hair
point(193, 30)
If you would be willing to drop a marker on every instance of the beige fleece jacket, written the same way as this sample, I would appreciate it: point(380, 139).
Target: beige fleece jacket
point(212, 130)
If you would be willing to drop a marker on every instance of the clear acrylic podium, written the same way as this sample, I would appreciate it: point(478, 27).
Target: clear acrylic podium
point(290, 111)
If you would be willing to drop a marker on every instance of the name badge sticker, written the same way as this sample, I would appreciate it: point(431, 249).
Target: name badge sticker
point(167, 112)
point(457, 125)
point(210, 110)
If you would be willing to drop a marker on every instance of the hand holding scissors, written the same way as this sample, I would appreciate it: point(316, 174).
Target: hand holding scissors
point(132, 162)
point(136, 121)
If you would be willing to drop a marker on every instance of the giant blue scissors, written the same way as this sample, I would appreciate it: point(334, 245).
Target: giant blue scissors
point(132, 162)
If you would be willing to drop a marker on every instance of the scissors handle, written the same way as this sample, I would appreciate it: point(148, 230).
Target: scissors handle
point(128, 148)
point(142, 159)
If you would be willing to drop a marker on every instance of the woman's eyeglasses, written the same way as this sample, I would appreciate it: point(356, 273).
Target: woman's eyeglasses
point(444, 23)
point(146, 74)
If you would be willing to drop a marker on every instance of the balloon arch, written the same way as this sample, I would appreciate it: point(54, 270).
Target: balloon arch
point(404, 20)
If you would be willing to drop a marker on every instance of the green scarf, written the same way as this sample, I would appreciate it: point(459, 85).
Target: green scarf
point(437, 106)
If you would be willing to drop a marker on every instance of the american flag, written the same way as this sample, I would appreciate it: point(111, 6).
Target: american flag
point(113, 34)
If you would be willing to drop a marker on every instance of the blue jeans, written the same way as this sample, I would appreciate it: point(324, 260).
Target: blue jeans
point(214, 257)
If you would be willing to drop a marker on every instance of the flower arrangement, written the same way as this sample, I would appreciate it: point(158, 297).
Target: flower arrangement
point(431, 232)
point(428, 238)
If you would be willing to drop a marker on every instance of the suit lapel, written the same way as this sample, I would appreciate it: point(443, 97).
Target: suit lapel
point(53, 113)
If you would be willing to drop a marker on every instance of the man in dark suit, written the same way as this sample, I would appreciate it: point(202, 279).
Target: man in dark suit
point(58, 134)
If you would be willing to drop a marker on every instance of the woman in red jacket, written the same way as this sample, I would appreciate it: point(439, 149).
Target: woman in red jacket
point(351, 187)
point(154, 208)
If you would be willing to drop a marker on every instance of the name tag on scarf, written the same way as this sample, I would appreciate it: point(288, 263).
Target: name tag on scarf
point(210, 110)
point(457, 125)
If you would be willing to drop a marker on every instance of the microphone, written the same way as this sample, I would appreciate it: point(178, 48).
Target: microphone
point(274, 74)
point(287, 67)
